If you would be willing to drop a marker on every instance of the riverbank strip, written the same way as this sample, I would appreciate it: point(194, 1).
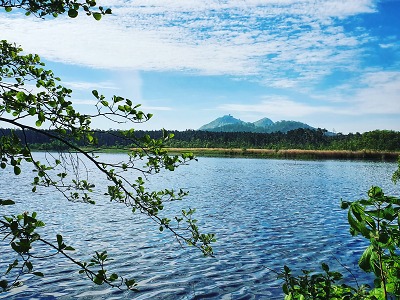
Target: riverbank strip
point(291, 153)
point(266, 153)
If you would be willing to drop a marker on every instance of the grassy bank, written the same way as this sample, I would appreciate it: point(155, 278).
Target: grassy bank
point(264, 153)
point(292, 153)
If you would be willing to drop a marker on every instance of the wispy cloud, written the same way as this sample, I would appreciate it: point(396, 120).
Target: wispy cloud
point(85, 85)
point(277, 107)
point(283, 43)
point(376, 93)
point(77, 101)
point(146, 108)
point(380, 94)
point(155, 108)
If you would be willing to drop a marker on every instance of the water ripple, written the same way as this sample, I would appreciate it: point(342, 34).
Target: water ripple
point(266, 213)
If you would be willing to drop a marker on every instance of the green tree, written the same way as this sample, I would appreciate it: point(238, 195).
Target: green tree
point(47, 106)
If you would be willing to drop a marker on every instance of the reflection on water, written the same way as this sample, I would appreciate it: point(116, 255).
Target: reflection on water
point(266, 213)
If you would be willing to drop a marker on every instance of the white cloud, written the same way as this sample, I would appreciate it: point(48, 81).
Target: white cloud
point(76, 101)
point(381, 94)
point(293, 40)
point(375, 93)
point(278, 107)
point(155, 108)
point(386, 46)
point(378, 93)
point(84, 85)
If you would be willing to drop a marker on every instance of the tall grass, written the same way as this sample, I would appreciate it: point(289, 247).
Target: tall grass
point(293, 153)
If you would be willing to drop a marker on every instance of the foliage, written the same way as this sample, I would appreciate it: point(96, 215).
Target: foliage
point(43, 8)
point(30, 94)
point(377, 220)
point(396, 174)
point(313, 285)
point(305, 139)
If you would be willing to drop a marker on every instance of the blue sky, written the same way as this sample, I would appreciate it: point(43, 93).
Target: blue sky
point(333, 64)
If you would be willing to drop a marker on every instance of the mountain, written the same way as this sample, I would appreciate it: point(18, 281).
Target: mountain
point(285, 126)
point(228, 123)
point(221, 122)
point(264, 122)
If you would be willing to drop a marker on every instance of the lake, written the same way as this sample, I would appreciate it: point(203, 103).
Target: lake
point(266, 213)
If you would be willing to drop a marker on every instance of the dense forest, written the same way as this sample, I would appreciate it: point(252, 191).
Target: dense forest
point(304, 139)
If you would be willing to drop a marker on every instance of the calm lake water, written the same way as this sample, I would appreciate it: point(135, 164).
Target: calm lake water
point(266, 213)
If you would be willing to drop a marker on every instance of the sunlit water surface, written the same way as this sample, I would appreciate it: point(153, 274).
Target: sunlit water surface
point(266, 214)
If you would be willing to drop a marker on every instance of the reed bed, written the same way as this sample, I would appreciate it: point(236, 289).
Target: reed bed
point(293, 153)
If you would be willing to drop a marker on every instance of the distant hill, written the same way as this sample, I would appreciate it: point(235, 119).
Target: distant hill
point(230, 124)
point(221, 122)
point(264, 122)
point(285, 126)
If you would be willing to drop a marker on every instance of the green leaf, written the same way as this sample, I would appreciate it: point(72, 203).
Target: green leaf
point(29, 265)
point(358, 211)
point(40, 274)
point(3, 284)
point(130, 283)
point(72, 13)
point(113, 277)
point(41, 116)
point(353, 223)
point(285, 289)
point(17, 170)
point(6, 202)
point(365, 259)
point(40, 223)
point(8, 9)
point(32, 111)
point(344, 204)
point(97, 16)
point(98, 280)
point(59, 240)
point(11, 266)
point(375, 192)
point(325, 267)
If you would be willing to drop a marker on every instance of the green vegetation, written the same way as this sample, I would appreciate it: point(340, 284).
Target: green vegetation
point(378, 144)
point(304, 139)
point(377, 220)
point(47, 106)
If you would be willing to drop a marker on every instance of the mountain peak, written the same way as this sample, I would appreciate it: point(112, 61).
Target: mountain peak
point(228, 123)
point(221, 121)
point(264, 122)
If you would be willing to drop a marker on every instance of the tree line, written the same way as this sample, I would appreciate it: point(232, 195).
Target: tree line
point(305, 139)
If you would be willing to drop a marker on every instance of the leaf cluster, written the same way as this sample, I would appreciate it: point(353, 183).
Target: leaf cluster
point(31, 94)
point(377, 220)
point(315, 285)
point(21, 233)
point(44, 8)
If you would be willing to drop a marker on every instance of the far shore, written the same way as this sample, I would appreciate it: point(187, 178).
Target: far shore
point(272, 153)
point(292, 153)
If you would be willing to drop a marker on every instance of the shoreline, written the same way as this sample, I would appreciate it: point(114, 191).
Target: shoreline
point(371, 155)
point(291, 153)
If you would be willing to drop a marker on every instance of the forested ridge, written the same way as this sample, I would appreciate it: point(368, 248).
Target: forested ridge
point(304, 139)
